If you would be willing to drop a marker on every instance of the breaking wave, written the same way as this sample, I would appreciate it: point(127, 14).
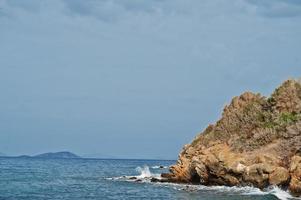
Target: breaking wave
point(247, 190)
point(145, 176)
point(145, 172)
point(159, 167)
point(280, 194)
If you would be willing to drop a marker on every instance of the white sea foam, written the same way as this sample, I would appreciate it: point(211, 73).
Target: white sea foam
point(159, 167)
point(217, 189)
point(276, 191)
point(280, 194)
point(144, 172)
point(145, 175)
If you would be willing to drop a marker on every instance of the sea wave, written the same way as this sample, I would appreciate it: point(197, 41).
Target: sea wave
point(146, 173)
point(145, 176)
point(247, 190)
point(159, 167)
point(280, 194)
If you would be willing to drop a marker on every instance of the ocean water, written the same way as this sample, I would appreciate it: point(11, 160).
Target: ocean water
point(72, 179)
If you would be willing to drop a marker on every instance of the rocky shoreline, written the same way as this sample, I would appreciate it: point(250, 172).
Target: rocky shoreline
point(257, 142)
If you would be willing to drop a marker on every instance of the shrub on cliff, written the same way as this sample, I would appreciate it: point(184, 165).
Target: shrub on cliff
point(256, 142)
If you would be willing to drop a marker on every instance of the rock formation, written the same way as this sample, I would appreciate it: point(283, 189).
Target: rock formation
point(256, 142)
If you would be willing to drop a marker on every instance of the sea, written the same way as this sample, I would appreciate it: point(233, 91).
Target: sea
point(76, 179)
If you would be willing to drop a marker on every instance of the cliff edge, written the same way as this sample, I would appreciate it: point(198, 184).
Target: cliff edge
point(256, 142)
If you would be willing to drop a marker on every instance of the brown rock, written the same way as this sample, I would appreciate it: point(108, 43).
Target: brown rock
point(257, 174)
point(279, 176)
point(256, 142)
point(202, 172)
point(295, 186)
point(237, 167)
point(295, 170)
point(231, 180)
point(165, 175)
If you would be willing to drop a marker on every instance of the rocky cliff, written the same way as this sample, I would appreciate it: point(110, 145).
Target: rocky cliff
point(256, 142)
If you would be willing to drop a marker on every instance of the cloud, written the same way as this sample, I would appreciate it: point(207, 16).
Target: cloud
point(277, 8)
point(90, 7)
point(118, 68)
point(105, 10)
point(114, 10)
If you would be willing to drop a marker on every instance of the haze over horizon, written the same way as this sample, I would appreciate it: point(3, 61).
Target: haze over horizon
point(135, 79)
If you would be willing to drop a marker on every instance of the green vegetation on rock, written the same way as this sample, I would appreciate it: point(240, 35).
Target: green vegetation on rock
point(256, 142)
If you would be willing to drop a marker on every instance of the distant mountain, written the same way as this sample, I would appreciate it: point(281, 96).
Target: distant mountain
point(62, 154)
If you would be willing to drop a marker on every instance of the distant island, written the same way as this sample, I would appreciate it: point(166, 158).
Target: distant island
point(61, 154)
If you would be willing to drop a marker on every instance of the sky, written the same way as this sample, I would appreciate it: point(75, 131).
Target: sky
point(135, 78)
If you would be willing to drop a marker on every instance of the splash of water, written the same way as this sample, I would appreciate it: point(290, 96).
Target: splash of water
point(144, 172)
point(275, 191)
point(145, 175)
point(159, 167)
point(280, 194)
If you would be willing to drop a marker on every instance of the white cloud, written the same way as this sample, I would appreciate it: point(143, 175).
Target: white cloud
point(112, 10)
point(278, 8)
point(149, 66)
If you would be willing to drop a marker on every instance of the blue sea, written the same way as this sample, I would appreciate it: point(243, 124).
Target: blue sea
point(72, 179)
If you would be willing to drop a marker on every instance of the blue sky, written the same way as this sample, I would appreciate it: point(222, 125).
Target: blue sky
point(135, 78)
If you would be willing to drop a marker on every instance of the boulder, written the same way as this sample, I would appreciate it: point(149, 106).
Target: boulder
point(279, 176)
point(256, 142)
point(295, 170)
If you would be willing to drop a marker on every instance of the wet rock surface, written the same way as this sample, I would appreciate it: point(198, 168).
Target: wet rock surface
point(256, 142)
